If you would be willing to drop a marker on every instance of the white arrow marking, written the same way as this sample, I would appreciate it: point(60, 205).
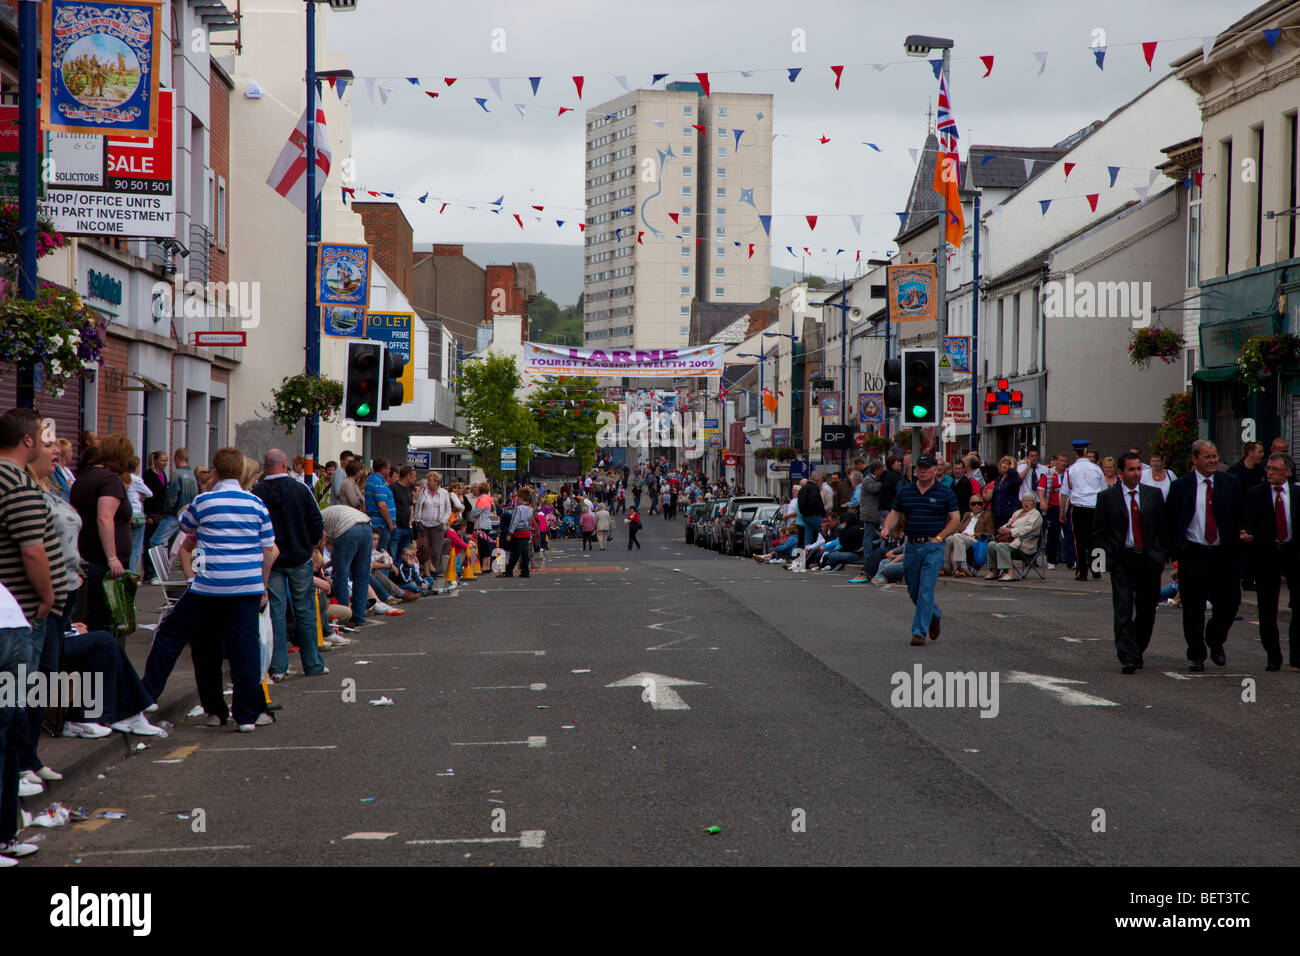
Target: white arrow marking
point(659, 691)
point(527, 839)
point(1056, 685)
point(1076, 640)
point(533, 742)
point(370, 835)
point(1177, 676)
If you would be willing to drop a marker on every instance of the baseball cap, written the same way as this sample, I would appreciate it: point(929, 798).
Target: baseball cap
point(926, 461)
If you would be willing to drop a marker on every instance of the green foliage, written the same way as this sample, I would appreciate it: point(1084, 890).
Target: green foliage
point(1264, 355)
point(301, 396)
point(1147, 344)
point(785, 453)
point(1176, 433)
point(763, 453)
point(549, 323)
point(56, 331)
point(494, 418)
point(567, 415)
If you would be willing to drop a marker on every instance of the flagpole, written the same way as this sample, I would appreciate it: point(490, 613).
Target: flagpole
point(311, 438)
point(941, 330)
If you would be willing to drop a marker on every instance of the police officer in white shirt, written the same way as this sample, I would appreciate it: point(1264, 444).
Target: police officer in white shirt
point(1083, 481)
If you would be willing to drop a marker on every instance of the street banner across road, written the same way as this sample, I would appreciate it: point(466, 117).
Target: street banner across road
point(705, 360)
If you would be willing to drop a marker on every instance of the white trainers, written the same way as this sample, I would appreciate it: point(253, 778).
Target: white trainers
point(7, 861)
point(138, 724)
point(49, 773)
point(75, 728)
point(262, 720)
point(31, 777)
point(18, 850)
point(28, 788)
point(212, 721)
point(1051, 567)
point(151, 709)
point(383, 608)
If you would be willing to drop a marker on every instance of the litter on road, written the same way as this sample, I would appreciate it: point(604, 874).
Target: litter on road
point(382, 702)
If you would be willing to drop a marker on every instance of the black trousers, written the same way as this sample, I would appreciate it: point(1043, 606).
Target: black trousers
point(520, 554)
point(631, 537)
point(1207, 574)
point(1052, 518)
point(1081, 523)
point(1135, 589)
point(1268, 586)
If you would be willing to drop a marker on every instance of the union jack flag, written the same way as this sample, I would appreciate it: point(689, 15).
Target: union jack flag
point(946, 126)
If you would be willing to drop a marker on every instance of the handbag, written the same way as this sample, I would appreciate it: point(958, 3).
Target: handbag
point(1003, 537)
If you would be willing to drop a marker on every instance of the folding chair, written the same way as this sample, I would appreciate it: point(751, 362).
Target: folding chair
point(161, 560)
point(1025, 560)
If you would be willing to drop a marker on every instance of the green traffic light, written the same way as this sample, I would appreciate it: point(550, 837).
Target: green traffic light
point(363, 410)
point(920, 411)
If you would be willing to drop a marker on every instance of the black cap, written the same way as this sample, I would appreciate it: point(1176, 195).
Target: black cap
point(926, 461)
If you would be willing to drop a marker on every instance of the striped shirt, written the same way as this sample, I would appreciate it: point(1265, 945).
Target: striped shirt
point(233, 528)
point(25, 520)
point(377, 491)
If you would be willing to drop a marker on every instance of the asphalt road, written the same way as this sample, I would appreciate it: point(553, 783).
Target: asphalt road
point(506, 744)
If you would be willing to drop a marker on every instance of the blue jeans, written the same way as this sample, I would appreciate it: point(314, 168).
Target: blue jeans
point(168, 525)
point(137, 548)
point(921, 563)
point(351, 561)
point(837, 559)
point(294, 584)
point(15, 649)
point(400, 539)
point(45, 644)
point(385, 535)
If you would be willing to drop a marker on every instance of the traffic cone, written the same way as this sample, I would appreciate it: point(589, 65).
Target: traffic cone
point(469, 563)
point(450, 577)
point(266, 690)
point(320, 634)
point(478, 568)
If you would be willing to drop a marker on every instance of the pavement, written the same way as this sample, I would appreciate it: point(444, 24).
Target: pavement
point(616, 705)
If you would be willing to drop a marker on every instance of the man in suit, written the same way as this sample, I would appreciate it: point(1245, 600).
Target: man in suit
point(1204, 512)
point(1271, 512)
point(1130, 527)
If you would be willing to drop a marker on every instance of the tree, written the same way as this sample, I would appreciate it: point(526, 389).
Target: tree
point(567, 414)
point(495, 419)
point(548, 322)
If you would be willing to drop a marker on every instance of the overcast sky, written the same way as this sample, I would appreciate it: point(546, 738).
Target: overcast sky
point(450, 147)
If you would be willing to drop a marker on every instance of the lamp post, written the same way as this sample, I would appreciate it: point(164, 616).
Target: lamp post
point(28, 171)
point(843, 306)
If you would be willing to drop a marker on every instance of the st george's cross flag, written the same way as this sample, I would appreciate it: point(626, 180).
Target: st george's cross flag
point(289, 174)
point(947, 167)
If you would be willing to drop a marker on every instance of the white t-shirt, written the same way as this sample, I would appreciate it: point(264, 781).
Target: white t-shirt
point(136, 493)
point(11, 615)
point(1162, 485)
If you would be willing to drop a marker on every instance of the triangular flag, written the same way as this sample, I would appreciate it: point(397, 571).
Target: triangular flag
point(442, 209)
point(449, 80)
point(499, 200)
point(1155, 174)
point(431, 93)
point(824, 140)
point(384, 93)
point(577, 82)
point(656, 77)
point(808, 252)
point(1099, 53)
point(1092, 200)
point(370, 88)
point(698, 127)
point(482, 101)
point(673, 217)
point(536, 81)
point(902, 219)
point(766, 223)
point(1207, 44)
point(639, 234)
point(1044, 203)
point(564, 109)
point(1198, 177)
point(751, 250)
point(413, 80)
point(1149, 52)
point(794, 72)
point(937, 66)
point(343, 86)
point(622, 81)
point(857, 223)
point(790, 249)
point(858, 256)
point(812, 222)
point(518, 220)
point(1068, 168)
point(347, 192)
point(1114, 171)
point(1042, 61)
point(837, 70)
point(1142, 192)
point(704, 82)
point(738, 133)
point(984, 160)
point(912, 152)
point(582, 227)
point(331, 80)
point(495, 83)
point(872, 145)
point(425, 197)
point(618, 235)
point(1271, 37)
point(521, 108)
point(659, 123)
point(879, 66)
point(988, 65)
point(838, 251)
point(1029, 168)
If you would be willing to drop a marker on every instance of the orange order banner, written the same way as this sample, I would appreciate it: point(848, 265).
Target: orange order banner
point(913, 292)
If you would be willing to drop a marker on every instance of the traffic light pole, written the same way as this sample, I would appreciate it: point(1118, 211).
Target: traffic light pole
point(311, 438)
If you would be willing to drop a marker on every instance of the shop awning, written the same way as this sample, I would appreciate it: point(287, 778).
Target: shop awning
point(1213, 376)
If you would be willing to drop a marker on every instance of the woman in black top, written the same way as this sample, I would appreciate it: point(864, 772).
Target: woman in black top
point(99, 495)
point(1006, 492)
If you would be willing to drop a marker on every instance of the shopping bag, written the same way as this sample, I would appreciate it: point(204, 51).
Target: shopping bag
point(266, 635)
point(119, 593)
point(979, 553)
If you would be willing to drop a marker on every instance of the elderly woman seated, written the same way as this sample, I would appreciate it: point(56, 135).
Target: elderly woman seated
point(1023, 527)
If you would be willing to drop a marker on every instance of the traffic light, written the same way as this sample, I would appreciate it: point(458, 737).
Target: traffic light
point(893, 384)
point(393, 390)
point(920, 387)
point(361, 387)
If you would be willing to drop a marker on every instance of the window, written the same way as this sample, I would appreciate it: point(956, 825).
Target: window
point(686, 110)
point(688, 130)
point(722, 112)
point(721, 252)
point(686, 272)
point(688, 150)
point(685, 312)
point(719, 291)
point(1194, 233)
point(686, 230)
point(686, 171)
point(720, 232)
point(722, 192)
point(686, 190)
point(722, 152)
point(720, 212)
point(720, 272)
point(686, 210)
point(686, 252)
point(722, 172)
point(685, 290)
point(220, 218)
point(722, 132)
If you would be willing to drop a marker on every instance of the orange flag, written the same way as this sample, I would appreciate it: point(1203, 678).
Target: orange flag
point(947, 168)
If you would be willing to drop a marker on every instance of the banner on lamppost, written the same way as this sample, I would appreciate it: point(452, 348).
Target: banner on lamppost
point(913, 292)
point(343, 274)
point(343, 321)
point(871, 408)
point(100, 70)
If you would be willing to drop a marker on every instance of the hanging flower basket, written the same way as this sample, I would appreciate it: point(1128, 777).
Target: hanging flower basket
point(785, 453)
point(56, 331)
point(1264, 356)
point(303, 396)
point(762, 453)
point(876, 446)
point(1149, 344)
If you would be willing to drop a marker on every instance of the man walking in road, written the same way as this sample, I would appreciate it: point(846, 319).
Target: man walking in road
point(1205, 510)
point(298, 529)
point(1271, 512)
point(1083, 481)
point(930, 510)
point(1130, 527)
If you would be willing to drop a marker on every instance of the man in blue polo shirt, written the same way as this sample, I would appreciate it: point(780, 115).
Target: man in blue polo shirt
point(931, 514)
point(232, 564)
point(381, 506)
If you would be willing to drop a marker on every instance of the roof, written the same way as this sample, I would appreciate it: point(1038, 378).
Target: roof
point(710, 318)
point(1004, 166)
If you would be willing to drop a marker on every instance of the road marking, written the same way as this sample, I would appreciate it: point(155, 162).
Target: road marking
point(370, 690)
point(165, 849)
point(527, 840)
point(1177, 676)
point(370, 835)
point(399, 654)
point(513, 687)
point(535, 653)
point(1078, 640)
point(1055, 685)
point(533, 743)
point(180, 753)
point(220, 750)
point(659, 689)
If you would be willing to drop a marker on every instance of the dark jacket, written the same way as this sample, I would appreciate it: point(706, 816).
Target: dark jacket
point(402, 498)
point(156, 504)
point(1180, 507)
point(963, 490)
point(1248, 477)
point(294, 516)
point(810, 502)
point(1110, 523)
point(889, 480)
point(1261, 524)
point(869, 497)
point(1006, 496)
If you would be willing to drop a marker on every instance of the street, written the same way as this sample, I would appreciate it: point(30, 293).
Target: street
point(615, 705)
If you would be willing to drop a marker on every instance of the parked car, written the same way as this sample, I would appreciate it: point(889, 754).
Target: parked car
point(693, 515)
point(735, 517)
point(758, 534)
point(712, 526)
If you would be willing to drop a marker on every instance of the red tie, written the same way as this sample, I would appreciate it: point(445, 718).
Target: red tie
point(1211, 529)
point(1279, 516)
point(1135, 518)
